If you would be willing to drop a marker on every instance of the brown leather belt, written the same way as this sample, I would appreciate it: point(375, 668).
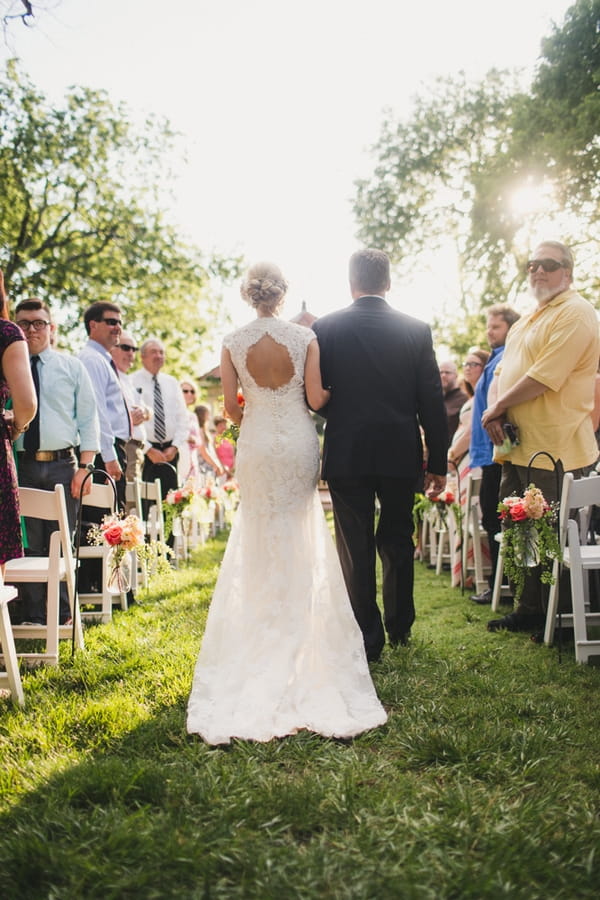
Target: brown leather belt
point(48, 455)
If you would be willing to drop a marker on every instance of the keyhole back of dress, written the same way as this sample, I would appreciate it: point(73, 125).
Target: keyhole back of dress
point(269, 363)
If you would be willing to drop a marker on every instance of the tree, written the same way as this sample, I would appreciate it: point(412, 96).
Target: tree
point(81, 217)
point(455, 168)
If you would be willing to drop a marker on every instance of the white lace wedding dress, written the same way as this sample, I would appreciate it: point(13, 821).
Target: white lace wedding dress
point(281, 650)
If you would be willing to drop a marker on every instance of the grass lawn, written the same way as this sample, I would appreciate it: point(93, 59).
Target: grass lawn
point(484, 783)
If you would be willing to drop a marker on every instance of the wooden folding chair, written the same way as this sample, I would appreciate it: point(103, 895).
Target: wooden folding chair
point(101, 496)
point(11, 677)
point(50, 570)
point(577, 498)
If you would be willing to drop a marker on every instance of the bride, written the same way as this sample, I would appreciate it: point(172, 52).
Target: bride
point(281, 650)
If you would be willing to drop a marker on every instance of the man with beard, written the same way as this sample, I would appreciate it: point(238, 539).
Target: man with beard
point(545, 388)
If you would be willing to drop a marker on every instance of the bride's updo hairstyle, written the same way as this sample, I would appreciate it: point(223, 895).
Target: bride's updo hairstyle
point(264, 286)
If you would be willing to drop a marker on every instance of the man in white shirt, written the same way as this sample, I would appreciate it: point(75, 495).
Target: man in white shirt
point(167, 430)
point(124, 356)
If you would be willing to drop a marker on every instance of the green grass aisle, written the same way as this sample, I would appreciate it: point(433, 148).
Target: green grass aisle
point(484, 783)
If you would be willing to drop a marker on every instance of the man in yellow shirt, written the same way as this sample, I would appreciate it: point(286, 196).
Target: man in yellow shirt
point(545, 387)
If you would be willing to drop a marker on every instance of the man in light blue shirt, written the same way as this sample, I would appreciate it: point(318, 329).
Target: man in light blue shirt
point(66, 421)
point(481, 451)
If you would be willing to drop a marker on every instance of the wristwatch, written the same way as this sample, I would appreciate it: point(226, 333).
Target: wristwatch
point(89, 467)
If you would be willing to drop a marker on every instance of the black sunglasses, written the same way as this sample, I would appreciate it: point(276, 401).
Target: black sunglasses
point(188, 390)
point(548, 265)
point(112, 322)
point(127, 347)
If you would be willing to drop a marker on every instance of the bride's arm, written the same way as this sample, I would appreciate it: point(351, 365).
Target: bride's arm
point(316, 394)
point(229, 381)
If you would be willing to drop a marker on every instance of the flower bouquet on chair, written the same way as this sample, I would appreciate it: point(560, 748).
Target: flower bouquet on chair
point(176, 503)
point(529, 536)
point(122, 536)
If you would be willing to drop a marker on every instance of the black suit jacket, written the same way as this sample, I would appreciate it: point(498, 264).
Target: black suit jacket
point(385, 382)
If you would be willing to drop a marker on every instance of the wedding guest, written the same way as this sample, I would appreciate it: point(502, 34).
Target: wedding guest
point(224, 448)
point(459, 463)
point(61, 443)
point(209, 463)
point(168, 429)
point(500, 318)
point(16, 382)
point(188, 453)
point(545, 387)
point(123, 355)
point(103, 325)
point(454, 396)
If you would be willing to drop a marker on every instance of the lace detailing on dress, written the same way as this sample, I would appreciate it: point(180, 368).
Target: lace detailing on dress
point(282, 650)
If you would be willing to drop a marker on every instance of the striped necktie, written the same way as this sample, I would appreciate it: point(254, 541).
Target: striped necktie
point(160, 431)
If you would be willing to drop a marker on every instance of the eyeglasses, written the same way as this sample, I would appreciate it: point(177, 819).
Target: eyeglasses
point(36, 324)
point(127, 347)
point(112, 322)
point(548, 265)
point(188, 390)
point(472, 365)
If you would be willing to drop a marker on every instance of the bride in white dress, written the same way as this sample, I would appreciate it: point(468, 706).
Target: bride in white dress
point(281, 651)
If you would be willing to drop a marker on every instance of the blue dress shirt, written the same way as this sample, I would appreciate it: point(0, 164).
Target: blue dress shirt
point(68, 416)
point(112, 413)
point(481, 450)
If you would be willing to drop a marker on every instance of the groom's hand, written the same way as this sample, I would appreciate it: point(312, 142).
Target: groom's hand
point(434, 484)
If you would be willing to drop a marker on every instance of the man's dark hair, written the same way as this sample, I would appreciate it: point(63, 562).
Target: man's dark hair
point(507, 313)
point(370, 271)
point(95, 312)
point(33, 304)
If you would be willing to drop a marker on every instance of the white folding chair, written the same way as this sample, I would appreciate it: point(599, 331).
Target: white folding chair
point(51, 570)
point(154, 522)
point(11, 677)
point(577, 498)
point(101, 496)
point(474, 537)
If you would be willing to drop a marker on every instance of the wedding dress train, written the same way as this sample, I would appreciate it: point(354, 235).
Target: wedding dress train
point(281, 650)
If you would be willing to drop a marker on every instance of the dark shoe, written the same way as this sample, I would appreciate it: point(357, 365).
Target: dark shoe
point(516, 622)
point(401, 641)
point(484, 598)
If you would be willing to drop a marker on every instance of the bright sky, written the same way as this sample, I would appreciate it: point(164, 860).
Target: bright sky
point(279, 103)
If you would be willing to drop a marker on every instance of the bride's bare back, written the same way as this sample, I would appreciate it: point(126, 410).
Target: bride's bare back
point(269, 363)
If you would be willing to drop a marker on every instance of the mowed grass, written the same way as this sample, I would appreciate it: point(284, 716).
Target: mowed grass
point(484, 783)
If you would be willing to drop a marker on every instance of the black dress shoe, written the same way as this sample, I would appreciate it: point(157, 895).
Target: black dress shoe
point(484, 598)
point(517, 622)
point(402, 640)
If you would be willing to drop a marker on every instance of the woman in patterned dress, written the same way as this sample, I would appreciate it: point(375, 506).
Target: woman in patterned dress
point(16, 381)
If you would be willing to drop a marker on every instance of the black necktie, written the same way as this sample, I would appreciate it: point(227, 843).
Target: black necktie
point(114, 366)
point(160, 430)
point(31, 440)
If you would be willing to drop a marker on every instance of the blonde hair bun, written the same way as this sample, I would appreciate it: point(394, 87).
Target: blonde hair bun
point(264, 285)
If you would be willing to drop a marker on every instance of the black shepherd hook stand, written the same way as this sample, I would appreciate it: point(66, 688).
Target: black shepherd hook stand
point(111, 481)
point(558, 492)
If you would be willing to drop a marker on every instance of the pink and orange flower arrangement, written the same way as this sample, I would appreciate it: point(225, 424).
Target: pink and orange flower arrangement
point(529, 536)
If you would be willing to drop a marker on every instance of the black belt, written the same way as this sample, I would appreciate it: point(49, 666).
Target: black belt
point(162, 446)
point(48, 455)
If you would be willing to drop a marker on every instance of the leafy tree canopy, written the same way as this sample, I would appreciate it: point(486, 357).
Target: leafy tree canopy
point(454, 168)
point(81, 218)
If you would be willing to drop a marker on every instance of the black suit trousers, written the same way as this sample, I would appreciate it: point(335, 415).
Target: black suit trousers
point(358, 541)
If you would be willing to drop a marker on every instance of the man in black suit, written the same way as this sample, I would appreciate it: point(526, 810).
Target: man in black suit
point(385, 386)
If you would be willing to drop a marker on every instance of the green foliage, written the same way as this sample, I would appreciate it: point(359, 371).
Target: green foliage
point(452, 170)
point(483, 783)
point(81, 217)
